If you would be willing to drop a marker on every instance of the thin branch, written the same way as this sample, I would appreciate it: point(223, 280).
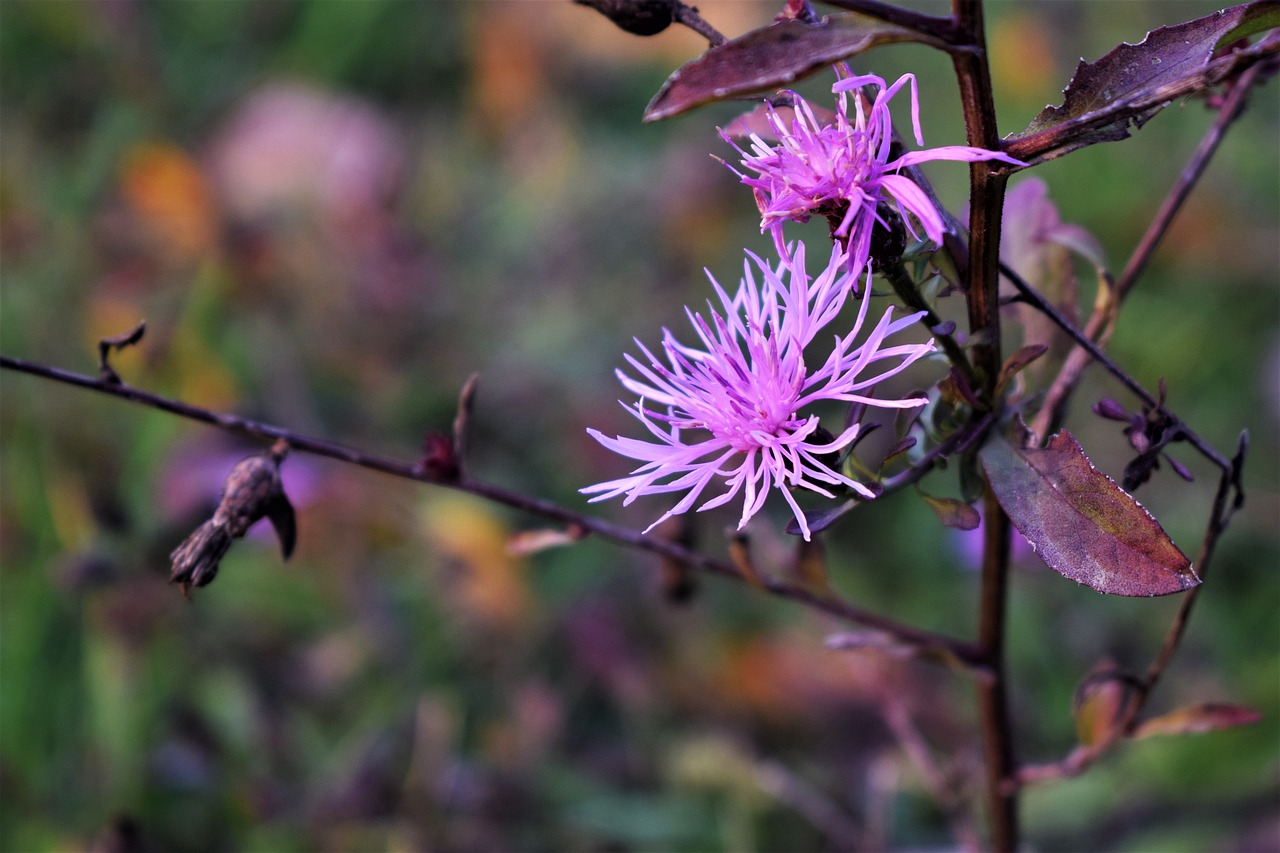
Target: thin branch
point(823, 601)
point(905, 287)
point(943, 29)
point(1033, 298)
point(1231, 109)
point(823, 814)
point(941, 784)
point(689, 16)
point(1219, 519)
point(1100, 322)
point(958, 442)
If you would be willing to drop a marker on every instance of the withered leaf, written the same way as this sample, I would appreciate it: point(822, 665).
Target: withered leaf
point(772, 57)
point(953, 513)
point(1102, 702)
point(1018, 361)
point(1079, 521)
point(1197, 719)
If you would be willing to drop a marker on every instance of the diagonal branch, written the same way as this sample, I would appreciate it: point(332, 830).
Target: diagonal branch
point(1230, 110)
point(1097, 327)
point(821, 600)
point(1032, 297)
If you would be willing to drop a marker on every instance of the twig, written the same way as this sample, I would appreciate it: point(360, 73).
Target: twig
point(905, 287)
point(1231, 109)
point(824, 815)
point(1096, 329)
point(689, 16)
point(939, 782)
point(823, 601)
point(1219, 518)
point(1033, 298)
point(943, 29)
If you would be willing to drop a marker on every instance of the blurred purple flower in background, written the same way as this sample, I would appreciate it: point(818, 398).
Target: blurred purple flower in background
point(842, 169)
point(745, 386)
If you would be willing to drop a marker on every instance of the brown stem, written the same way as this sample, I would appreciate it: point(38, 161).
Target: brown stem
point(823, 601)
point(993, 703)
point(689, 16)
point(909, 293)
point(986, 202)
point(943, 29)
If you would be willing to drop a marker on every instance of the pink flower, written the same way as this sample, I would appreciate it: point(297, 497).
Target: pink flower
point(738, 404)
point(843, 168)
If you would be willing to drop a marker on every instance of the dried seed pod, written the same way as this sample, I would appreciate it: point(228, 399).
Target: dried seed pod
point(253, 491)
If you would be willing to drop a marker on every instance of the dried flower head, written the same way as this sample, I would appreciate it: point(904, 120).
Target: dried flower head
point(842, 169)
point(738, 405)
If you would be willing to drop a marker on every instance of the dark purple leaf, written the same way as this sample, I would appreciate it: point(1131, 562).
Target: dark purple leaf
point(956, 388)
point(821, 519)
point(908, 418)
point(1134, 81)
point(1197, 719)
point(1079, 521)
point(900, 447)
point(1111, 410)
point(638, 17)
point(772, 57)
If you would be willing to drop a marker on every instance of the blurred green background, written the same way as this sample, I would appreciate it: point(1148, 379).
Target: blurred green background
point(330, 214)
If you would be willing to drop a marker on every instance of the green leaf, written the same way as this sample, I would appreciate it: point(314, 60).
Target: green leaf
point(1079, 521)
point(772, 57)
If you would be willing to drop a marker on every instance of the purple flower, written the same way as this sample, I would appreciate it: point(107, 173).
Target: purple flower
point(738, 403)
point(843, 168)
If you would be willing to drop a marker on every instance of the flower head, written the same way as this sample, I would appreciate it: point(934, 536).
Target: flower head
point(737, 406)
point(842, 168)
